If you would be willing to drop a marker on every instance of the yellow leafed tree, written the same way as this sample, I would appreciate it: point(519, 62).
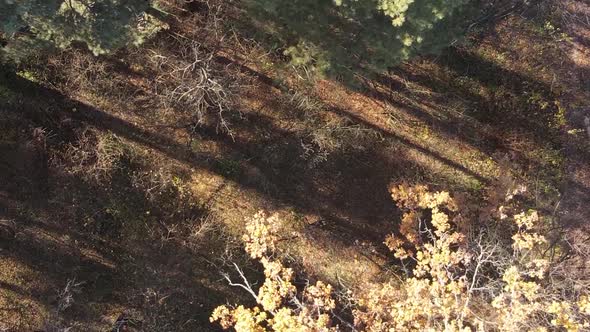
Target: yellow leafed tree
point(463, 277)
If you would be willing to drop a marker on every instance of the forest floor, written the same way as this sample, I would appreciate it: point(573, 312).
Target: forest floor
point(118, 197)
point(576, 195)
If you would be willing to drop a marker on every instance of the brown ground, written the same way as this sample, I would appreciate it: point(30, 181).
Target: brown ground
point(575, 209)
point(105, 184)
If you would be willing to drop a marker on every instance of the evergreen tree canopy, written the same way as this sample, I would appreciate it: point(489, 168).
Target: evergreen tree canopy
point(103, 25)
point(334, 35)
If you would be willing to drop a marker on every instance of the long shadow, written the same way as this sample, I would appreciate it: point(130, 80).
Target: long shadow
point(82, 113)
point(523, 117)
point(41, 247)
point(466, 131)
point(89, 115)
point(351, 207)
point(60, 235)
point(348, 202)
point(354, 196)
point(411, 145)
point(59, 244)
point(508, 107)
point(463, 129)
point(489, 74)
point(102, 282)
point(15, 289)
point(446, 126)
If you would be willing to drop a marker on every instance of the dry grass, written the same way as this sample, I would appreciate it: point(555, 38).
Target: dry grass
point(171, 182)
point(21, 312)
point(94, 156)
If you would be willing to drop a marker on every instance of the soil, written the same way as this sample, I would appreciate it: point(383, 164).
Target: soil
point(131, 237)
point(575, 210)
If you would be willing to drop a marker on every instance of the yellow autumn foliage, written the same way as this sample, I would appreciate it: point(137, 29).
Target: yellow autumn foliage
point(458, 282)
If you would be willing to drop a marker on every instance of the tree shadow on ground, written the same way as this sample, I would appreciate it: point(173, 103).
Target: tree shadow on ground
point(347, 193)
point(164, 279)
point(501, 112)
point(352, 204)
point(68, 227)
point(506, 86)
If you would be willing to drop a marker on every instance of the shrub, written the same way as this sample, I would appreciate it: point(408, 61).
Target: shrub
point(463, 277)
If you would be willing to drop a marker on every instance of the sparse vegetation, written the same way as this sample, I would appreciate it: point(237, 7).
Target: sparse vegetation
point(130, 177)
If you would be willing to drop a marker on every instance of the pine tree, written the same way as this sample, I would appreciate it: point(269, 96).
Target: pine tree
point(103, 25)
point(335, 36)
